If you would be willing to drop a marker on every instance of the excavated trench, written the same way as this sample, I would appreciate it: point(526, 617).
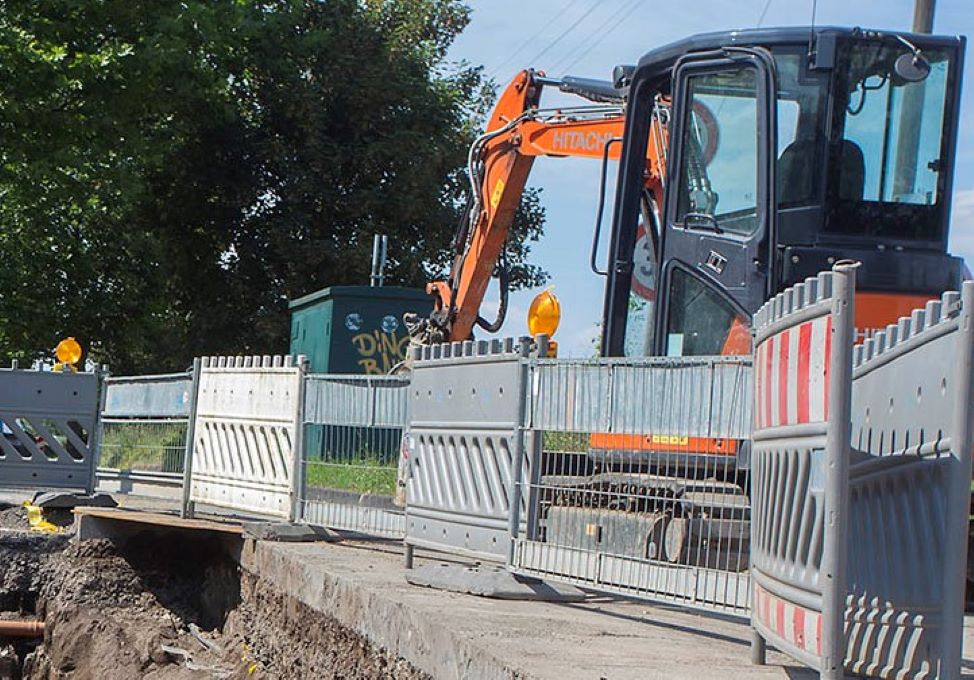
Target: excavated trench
point(172, 606)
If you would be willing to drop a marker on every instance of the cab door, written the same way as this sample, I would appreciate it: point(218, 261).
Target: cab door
point(717, 255)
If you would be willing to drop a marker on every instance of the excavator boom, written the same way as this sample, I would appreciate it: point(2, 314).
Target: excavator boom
point(500, 162)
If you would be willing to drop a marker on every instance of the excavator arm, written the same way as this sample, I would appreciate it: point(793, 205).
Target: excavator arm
point(499, 163)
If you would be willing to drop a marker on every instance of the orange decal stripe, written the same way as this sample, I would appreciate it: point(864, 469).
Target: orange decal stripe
point(663, 442)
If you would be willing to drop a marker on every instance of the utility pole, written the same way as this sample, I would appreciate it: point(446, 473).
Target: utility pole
point(923, 16)
point(911, 114)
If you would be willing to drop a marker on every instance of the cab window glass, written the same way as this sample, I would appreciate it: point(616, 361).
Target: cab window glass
point(720, 153)
point(896, 127)
point(701, 322)
point(886, 172)
point(801, 132)
point(642, 296)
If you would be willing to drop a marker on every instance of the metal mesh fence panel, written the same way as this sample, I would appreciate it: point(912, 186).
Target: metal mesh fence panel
point(152, 446)
point(641, 483)
point(144, 423)
point(353, 434)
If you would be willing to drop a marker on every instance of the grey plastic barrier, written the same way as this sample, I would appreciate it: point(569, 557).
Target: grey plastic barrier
point(47, 428)
point(799, 516)
point(859, 539)
point(912, 413)
point(465, 442)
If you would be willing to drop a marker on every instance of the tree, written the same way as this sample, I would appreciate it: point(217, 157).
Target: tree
point(173, 172)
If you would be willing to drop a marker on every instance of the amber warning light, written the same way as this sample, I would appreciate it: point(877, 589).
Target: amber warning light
point(68, 353)
point(544, 315)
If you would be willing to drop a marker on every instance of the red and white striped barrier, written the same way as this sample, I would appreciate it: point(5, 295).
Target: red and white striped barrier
point(795, 625)
point(799, 463)
point(792, 375)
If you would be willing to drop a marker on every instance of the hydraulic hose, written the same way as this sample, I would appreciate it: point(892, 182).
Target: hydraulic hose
point(504, 278)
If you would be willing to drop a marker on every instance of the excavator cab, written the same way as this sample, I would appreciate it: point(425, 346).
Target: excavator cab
point(788, 149)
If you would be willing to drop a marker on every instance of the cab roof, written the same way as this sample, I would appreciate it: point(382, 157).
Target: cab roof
point(664, 57)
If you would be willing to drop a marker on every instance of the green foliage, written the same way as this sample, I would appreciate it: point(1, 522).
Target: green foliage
point(173, 171)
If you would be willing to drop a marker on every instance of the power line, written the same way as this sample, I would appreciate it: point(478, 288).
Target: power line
point(530, 40)
point(628, 11)
point(597, 34)
point(568, 30)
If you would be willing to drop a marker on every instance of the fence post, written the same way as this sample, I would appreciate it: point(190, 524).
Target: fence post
point(836, 547)
point(188, 507)
point(958, 491)
point(103, 376)
point(297, 454)
point(514, 516)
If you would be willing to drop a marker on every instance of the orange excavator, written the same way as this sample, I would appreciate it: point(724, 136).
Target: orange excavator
point(748, 162)
point(517, 132)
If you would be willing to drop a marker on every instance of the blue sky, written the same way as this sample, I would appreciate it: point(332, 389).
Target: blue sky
point(589, 37)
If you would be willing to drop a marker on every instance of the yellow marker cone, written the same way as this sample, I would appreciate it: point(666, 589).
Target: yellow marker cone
point(35, 518)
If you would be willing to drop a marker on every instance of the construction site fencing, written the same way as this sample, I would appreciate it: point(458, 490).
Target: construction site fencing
point(909, 493)
point(353, 437)
point(638, 478)
point(862, 468)
point(48, 428)
point(803, 363)
point(466, 446)
point(143, 425)
point(246, 434)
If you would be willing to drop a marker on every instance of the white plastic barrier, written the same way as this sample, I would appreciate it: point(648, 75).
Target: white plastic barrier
point(247, 435)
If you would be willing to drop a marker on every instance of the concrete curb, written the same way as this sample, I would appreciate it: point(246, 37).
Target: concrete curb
point(402, 630)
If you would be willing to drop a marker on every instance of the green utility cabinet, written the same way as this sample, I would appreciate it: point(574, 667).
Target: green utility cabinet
point(354, 329)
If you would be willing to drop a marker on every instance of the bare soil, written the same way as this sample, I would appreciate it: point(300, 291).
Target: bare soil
point(162, 609)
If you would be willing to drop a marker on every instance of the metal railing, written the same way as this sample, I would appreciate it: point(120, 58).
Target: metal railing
point(639, 480)
point(353, 434)
point(143, 425)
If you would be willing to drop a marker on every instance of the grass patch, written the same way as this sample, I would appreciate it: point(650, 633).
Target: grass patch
point(155, 447)
point(573, 442)
point(363, 476)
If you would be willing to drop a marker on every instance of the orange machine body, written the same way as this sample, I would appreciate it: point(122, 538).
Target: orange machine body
point(876, 311)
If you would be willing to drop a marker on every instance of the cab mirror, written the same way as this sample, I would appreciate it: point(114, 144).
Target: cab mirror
point(912, 67)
